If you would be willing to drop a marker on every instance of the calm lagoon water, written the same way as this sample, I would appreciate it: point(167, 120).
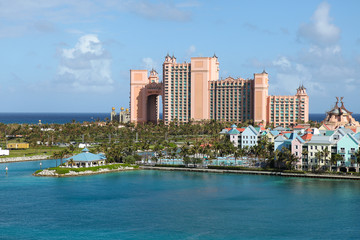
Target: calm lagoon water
point(174, 205)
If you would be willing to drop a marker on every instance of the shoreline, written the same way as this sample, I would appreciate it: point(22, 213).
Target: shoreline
point(268, 173)
point(52, 173)
point(24, 159)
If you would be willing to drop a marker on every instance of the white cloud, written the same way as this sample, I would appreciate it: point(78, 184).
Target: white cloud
point(19, 17)
point(320, 66)
point(282, 62)
point(288, 76)
point(320, 30)
point(324, 51)
point(86, 67)
point(351, 85)
point(190, 51)
point(149, 63)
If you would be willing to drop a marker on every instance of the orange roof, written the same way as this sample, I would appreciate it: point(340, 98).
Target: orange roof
point(353, 129)
point(204, 145)
point(299, 126)
point(309, 130)
point(326, 126)
point(307, 137)
point(239, 129)
point(286, 132)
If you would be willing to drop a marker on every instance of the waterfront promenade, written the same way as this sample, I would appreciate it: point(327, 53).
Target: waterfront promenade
point(268, 173)
point(24, 159)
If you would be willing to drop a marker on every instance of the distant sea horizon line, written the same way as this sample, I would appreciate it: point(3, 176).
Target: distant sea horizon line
point(68, 117)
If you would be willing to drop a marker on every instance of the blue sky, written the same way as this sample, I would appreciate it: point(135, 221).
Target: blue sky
point(75, 56)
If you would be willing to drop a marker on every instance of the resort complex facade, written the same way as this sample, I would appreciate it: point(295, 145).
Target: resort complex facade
point(193, 92)
point(312, 148)
point(335, 143)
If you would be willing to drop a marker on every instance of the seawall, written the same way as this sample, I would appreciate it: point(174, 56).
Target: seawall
point(280, 174)
point(23, 159)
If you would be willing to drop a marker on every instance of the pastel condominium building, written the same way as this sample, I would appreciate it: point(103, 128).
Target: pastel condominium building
point(193, 91)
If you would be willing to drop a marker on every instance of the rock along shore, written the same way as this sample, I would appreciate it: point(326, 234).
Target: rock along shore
point(280, 174)
point(23, 159)
point(53, 173)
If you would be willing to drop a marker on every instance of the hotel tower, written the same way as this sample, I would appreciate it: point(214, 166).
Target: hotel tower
point(193, 92)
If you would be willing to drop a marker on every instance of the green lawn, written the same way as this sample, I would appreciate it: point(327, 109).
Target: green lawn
point(33, 151)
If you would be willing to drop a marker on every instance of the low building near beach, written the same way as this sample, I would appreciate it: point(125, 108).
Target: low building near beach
point(85, 159)
point(17, 145)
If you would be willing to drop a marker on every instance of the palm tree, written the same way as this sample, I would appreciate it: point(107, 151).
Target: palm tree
point(335, 158)
point(304, 154)
point(196, 149)
point(173, 153)
point(63, 154)
point(357, 157)
point(71, 162)
point(291, 159)
point(247, 152)
point(71, 148)
point(284, 157)
point(238, 153)
point(56, 156)
point(276, 158)
point(325, 154)
point(318, 156)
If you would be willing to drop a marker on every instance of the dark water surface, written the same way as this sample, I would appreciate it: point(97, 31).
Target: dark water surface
point(61, 118)
point(174, 205)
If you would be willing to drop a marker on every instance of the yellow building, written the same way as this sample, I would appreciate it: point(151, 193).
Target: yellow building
point(17, 145)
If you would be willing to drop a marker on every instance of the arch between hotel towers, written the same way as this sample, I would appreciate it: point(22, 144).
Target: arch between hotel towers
point(144, 96)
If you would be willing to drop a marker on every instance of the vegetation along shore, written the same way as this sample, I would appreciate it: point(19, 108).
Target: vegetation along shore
point(202, 145)
point(72, 172)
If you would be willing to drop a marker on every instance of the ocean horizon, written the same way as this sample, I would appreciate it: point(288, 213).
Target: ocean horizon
point(62, 118)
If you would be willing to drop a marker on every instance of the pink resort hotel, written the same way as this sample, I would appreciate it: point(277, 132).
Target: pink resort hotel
point(193, 91)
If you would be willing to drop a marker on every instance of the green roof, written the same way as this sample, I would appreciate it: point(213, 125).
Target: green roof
point(329, 133)
point(233, 131)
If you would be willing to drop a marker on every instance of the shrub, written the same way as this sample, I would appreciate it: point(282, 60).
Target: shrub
point(130, 159)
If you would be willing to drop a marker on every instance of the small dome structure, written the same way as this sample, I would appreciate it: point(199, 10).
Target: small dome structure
point(339, 116)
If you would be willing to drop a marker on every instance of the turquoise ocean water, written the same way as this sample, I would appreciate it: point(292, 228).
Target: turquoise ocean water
point(174, 205)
